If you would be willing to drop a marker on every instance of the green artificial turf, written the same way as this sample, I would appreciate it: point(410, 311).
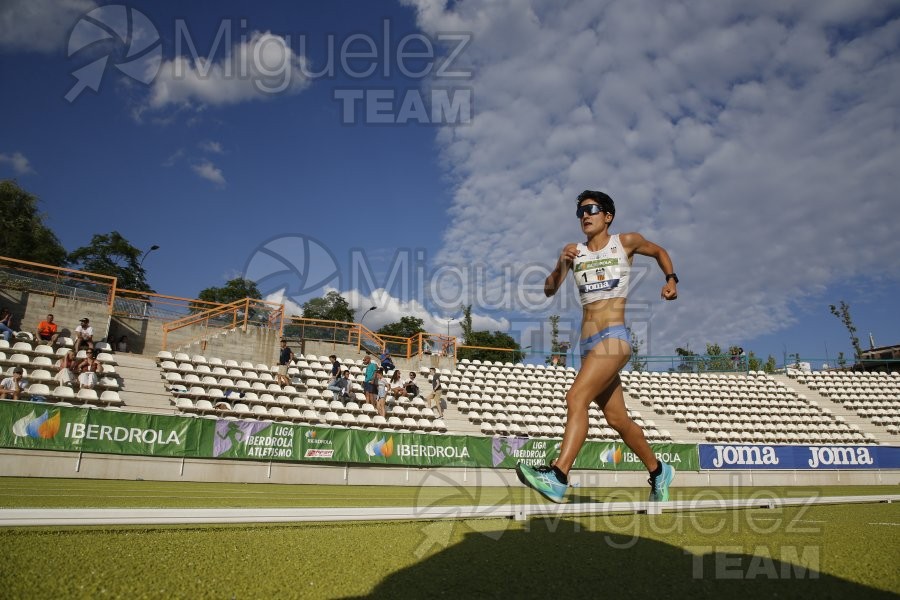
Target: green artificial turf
point(832, 551)
point(819, 552)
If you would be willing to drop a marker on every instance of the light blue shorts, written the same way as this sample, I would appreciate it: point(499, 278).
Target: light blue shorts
point(614, 331)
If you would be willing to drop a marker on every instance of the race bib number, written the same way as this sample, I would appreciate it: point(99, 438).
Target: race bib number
point(597, 275)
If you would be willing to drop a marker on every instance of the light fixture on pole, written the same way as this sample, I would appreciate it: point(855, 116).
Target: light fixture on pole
point(152, 248)
point(365, 313)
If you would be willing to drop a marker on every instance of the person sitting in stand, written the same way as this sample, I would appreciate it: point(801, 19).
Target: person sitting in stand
point(122, 344)
point(396, 386)
point(66, 365)
point(47, 331)
point(6, 330)
point(87, 371)
point(14, 384)
point(386, 363)
point(84, 335)
point(340, 386)
point(412, 390)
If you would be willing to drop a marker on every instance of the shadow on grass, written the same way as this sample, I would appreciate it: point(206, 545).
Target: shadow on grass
point(552, 558)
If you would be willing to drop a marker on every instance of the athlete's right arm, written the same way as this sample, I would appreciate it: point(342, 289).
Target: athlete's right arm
point(558, 274)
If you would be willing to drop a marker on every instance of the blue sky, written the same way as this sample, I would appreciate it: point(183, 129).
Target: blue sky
point(758, 143)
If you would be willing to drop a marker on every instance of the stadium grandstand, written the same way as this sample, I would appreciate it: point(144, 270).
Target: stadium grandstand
point(206, 371)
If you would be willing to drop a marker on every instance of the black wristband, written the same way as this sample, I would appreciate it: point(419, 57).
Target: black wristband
point(671, 276)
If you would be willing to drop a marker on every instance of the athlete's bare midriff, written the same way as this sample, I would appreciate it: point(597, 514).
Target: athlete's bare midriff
point(601, 314)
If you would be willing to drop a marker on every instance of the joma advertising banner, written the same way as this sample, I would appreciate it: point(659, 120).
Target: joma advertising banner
point(756, 456)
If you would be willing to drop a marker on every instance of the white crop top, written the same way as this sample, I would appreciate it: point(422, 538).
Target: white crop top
point(603, 274)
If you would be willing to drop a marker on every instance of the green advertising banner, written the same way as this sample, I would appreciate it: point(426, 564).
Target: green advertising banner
point(49, 427)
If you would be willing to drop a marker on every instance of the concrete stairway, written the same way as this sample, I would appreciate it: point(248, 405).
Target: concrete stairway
point(142, 387)
point(864, 425)
point(457, 423)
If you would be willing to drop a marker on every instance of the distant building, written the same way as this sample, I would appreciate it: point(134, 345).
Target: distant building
point(885, 358)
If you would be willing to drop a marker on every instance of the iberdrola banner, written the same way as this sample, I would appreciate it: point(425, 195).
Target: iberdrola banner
point(49, 427)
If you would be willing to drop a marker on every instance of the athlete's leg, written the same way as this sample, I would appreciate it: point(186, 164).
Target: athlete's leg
point(612, 403)
point(599, 368)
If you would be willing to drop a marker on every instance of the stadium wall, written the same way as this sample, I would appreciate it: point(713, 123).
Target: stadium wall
point(39, 463)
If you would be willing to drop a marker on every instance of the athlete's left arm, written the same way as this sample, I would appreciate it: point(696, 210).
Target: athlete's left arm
point(635, 243)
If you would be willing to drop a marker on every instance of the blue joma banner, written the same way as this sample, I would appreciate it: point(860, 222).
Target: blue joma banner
point(752, 456)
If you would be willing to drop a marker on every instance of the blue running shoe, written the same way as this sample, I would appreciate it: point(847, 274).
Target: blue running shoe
point(659, 486)
point(543, 480)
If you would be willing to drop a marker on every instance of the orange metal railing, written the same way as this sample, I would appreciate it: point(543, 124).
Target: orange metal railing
point(57, 282)
point(216, 320)
point(181, 314)
point(145, 305)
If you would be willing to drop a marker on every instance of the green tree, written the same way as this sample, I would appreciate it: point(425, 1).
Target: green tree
point(715, 360)
point(842, 312)
point(25, 236)
point(233, 290)
point(754, 363)
point(770, 365)
point(466, 324)
point(688, 361)
point(112, 254)
point(636, 344)
point(330, 307)
point(554, 339)
point(406, 327)
point(497, 339)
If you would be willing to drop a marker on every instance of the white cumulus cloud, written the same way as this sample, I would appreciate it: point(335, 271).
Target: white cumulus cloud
point(18, 161)
point(39, 25)
point(207, 170)
point(263, 66)
point(757, 142)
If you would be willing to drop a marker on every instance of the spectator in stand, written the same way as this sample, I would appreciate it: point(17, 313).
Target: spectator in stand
point(369, 386)
point(84, 335)
point(386, 363)
point(381, 394)
point(335, 367)
point(340, 385)
point(66, 365)
point(396, 385)
point(14, 384)
point(6, 329)
point(437, 390)
point(284, 360)
point(87, 371)
point(122, 344)
point(47, 331)
point(412, 390)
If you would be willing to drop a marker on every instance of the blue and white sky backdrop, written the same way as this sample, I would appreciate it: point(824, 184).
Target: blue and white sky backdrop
point(435, 148)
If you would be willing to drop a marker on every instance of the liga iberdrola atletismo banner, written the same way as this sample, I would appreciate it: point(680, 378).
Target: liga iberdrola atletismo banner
point(49, 427)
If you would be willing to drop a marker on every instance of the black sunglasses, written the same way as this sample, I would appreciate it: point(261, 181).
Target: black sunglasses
point(590, 209)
